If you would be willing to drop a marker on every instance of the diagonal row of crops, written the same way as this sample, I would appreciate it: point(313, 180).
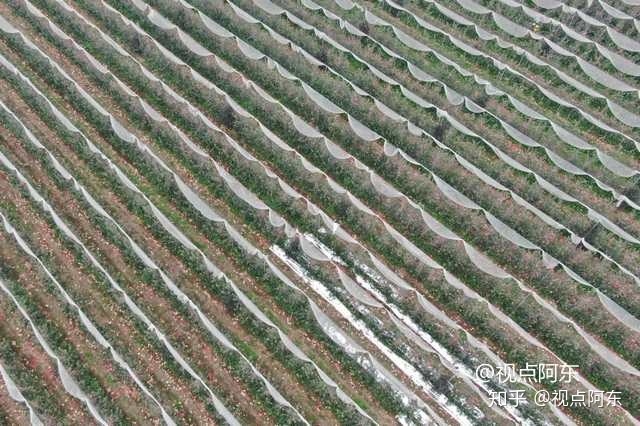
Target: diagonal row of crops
point(317, 211)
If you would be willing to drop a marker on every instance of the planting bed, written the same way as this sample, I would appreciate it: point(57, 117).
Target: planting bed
point(319, 211)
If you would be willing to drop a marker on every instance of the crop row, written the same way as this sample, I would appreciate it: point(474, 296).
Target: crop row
point(120, 343)
point(13, 403)
point(138, 261)
point(471, 188)
point(233, 167)
point(394, 25)
point(146, 276)
point(395, 210)
point(618, 82)
point(21, 349)
point(384, 30)
point(549, 30)
point(153, 275)
point(589, 28)
point(560, 65)
point(478, 67)
point(64, 332)
point(610, 15)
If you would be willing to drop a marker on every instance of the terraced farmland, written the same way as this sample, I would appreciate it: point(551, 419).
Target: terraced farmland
point(320, 212)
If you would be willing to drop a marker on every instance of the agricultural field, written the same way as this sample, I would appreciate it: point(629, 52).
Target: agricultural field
point(332, 212)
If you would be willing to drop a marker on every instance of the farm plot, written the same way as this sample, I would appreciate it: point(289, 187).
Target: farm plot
point(319, 212)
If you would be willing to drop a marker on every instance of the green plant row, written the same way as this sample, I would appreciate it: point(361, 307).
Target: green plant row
point(31, 383)
point(514, 84)
point(194, 258)
point(232, 359)
point(596, 34)
point(56, 334)
point(528, 224)
point(172, 145)
point(422, 187)
point(503, 107)
point(477, 64)
point(106, 289)
point(445, 216)
point(154, 277)
point(540, 49)
point(427, 61)
point(144, 336)
point(174, 189)
point(551, 79)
